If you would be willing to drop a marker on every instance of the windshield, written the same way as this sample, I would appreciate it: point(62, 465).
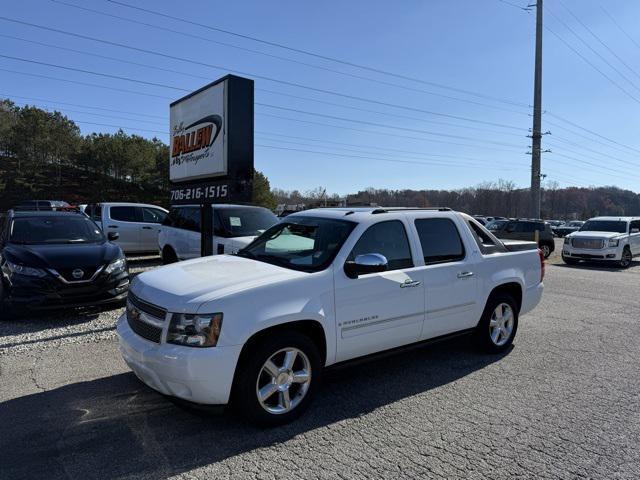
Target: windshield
point(245, 222)
point(55, 230)
point(300, 243)
point(604, 226)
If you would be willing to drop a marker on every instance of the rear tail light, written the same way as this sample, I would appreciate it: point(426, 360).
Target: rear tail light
point(542, 266)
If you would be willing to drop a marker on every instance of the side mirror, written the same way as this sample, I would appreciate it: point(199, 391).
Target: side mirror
point(113, 236)
point(635, 230)
point(367, 263)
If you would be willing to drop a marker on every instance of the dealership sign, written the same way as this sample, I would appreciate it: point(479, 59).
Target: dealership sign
point(211, 151)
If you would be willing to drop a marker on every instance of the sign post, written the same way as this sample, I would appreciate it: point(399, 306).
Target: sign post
point(211, 151)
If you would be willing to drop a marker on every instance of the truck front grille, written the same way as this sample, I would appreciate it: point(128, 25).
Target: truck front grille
point(588, 243)
point(136, 311)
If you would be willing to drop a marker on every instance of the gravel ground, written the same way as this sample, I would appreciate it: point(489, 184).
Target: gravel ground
point(563, 403)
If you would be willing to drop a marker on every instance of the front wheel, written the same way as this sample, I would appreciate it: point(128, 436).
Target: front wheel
point(497, 327)
point(626, 259)
point(277, 379)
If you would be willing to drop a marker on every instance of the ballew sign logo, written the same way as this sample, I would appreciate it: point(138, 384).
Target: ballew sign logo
point(192, 143)
point(198, 135)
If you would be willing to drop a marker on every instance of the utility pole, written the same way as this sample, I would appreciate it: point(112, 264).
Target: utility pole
point(536, 133)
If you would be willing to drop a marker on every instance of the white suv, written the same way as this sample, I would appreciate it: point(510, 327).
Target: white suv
point(234, 227)
point(604, 239)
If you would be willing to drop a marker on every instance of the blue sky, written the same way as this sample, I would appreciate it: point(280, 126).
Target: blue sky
point(483, 46)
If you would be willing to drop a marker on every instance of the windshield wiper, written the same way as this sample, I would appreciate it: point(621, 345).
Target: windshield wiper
point(245, 254)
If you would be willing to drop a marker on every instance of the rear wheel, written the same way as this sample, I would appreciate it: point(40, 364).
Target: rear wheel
point(626, 259)
point(168, 256)
point(546, 250)
point(277, 379)
point(499, 323)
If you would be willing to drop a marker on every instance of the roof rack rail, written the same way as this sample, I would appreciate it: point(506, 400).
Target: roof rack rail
point(401, 209)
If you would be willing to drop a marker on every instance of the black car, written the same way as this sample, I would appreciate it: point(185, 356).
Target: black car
point(54, 259)
point(523, 229)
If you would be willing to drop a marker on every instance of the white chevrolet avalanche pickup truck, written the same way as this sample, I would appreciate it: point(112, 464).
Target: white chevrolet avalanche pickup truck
point(325, 286)
point(609, 239)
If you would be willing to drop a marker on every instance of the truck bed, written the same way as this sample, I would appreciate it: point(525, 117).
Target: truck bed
point(519, 245)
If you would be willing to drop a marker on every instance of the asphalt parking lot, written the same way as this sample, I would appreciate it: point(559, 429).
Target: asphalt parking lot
point(563, 403)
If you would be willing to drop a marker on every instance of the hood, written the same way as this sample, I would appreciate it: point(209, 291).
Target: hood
point(184, 286)
point(587, 234)
point(61, 257)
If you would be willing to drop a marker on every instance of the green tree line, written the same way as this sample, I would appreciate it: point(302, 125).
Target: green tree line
point(37, 141)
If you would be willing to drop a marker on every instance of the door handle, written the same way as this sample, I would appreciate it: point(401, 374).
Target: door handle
point(113, 226)
point(465, 274)
point(410, 283)
point(147, 228)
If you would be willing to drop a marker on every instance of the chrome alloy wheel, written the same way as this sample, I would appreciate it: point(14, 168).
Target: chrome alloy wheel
point(283, 381)
point(546, 250)
point(626, 259)
point(501, 324)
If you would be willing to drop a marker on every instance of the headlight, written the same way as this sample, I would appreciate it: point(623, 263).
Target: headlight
point(195, 330)
point(567, 240)
point(24, 270)
point(117, 266)
point(613, 243)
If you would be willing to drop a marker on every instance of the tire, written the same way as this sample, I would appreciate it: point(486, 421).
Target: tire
point(168, 256)
point(546, 250)
point(252, 377)
point(497, 337)
point(570, 261)
point(627, 258)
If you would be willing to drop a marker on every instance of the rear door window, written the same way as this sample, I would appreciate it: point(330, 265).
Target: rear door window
point(386, 238)
point(440, 240)
point(124, 214)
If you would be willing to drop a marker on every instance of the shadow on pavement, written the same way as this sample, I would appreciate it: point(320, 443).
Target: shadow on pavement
point(117, 427)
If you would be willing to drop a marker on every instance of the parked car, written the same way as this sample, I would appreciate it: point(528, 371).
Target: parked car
point(42, 205)
point(137, 223)
point(526, 230)
point(555, 223)
point(58, 259)
point(496, 224)
point(234, 227)
point(319, 288)
point(614, 239)
point(568, 228)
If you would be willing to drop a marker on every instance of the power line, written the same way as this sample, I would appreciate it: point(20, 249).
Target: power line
point(620, 27)
point(584, 42)
point(377, 133)
point(133, 80)
point(91, 72)
point(366, 157)
point(421, 156)
point(258, 52)
point(609, 49)
point(174, 18)
point(192, 62)
point(526, 9)
point(375, 124)
point(585, 137)
point(592, 132)
point(568, 45)
point(7, 95)
point(259, 89)
point(96, 85)
point(569, 142)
